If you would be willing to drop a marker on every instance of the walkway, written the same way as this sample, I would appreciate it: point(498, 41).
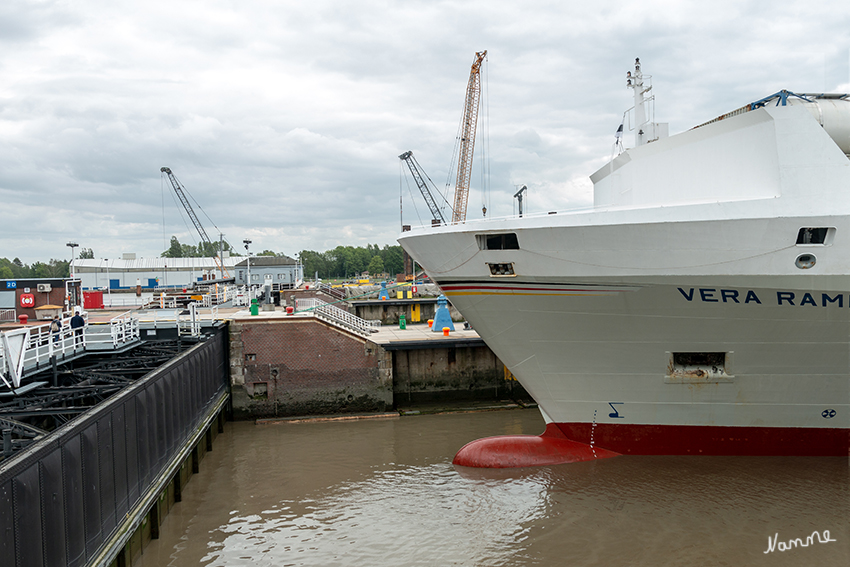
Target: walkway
point(32, 348)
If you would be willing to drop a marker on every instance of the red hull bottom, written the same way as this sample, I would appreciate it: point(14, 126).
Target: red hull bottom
point(712, 440)
point(512, 451)
point(571, 442)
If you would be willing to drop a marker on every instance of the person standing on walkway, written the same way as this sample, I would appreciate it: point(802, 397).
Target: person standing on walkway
point(55, 327)
point(77, 324)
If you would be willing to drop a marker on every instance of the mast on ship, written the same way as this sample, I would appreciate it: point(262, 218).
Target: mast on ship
point(645, 130)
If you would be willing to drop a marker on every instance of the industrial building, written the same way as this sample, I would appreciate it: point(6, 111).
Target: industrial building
point(160, 273)
point(150, 273)
point(285, 272)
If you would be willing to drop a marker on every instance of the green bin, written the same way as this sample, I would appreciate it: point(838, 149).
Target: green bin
point(402, 322)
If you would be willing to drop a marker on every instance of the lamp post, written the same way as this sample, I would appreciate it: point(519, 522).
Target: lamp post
point(247, 242)
point(72, 245)
point(108, 283)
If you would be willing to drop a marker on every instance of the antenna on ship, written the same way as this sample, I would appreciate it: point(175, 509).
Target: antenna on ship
point(636, 83)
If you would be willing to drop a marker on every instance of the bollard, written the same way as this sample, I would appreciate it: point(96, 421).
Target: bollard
point(255, 309)
point(445, 331)
point(402, 322)
point(290, 310)
point(430, 323)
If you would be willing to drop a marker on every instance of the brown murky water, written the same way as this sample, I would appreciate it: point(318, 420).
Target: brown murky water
point(385, 493)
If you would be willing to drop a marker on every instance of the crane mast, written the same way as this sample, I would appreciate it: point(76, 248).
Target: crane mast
point(413, 165)
point(469, 124)
point(186, 205)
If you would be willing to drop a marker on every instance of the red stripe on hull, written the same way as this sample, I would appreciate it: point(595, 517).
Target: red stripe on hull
point(711, 440)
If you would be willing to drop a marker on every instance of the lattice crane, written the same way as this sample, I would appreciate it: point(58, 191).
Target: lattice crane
point(469, 124)
point(198, 226)
point(419, 177)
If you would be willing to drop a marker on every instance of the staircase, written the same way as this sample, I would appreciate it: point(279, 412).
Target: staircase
point(337, 317)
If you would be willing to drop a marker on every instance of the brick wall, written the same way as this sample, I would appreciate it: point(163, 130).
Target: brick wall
point(289, 367)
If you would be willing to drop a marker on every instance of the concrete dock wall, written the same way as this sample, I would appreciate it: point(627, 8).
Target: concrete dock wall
point(441, 374)
point(283, 367)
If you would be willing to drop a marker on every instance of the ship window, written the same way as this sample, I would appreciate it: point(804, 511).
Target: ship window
point(507, 241)
point(501, 269)
point(814, 236)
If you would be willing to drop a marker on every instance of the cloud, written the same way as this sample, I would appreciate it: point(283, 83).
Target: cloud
point(284, 120)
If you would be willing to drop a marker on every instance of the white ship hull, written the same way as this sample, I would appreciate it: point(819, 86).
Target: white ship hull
point(696, 327)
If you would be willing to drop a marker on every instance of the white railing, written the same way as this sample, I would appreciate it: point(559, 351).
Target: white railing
point(113, 334)
point(7, 314)
point(33, 346)
point(123, 300)
point(191, 324)
point(336, 316)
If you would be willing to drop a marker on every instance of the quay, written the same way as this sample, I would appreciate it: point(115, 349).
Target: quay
point(102, 431)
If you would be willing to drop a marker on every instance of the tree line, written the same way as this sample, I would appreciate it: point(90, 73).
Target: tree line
point(347, 261)
point(341, 262)
point(16, 270)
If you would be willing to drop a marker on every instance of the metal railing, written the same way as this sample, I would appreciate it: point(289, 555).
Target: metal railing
point(34, 346)
point(7, 314)
point(335, 292)
point(113, 334)
point(191, 324)
point(336, 316)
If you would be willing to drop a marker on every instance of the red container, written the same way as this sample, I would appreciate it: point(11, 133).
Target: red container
point(92, 300)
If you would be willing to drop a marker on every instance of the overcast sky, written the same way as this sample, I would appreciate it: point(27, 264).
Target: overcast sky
point(284, 119)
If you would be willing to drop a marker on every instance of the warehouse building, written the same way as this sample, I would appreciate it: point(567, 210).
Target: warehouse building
point(150, 273)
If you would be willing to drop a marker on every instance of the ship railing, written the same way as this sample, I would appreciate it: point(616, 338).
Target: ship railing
point(337, 316)
point(7, 314)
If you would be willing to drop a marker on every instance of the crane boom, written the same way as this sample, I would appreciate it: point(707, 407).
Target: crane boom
point(469, 124)
point(413, 165)
point(186, 205)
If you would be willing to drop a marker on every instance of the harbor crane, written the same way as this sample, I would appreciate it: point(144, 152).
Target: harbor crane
point(468, 127)
point(181, 194)
point(419, 177)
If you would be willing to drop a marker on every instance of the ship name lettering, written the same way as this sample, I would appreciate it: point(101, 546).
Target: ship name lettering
point(726, 295)
point(773, 543)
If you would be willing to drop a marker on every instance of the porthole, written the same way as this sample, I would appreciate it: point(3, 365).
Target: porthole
point(805, 261)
